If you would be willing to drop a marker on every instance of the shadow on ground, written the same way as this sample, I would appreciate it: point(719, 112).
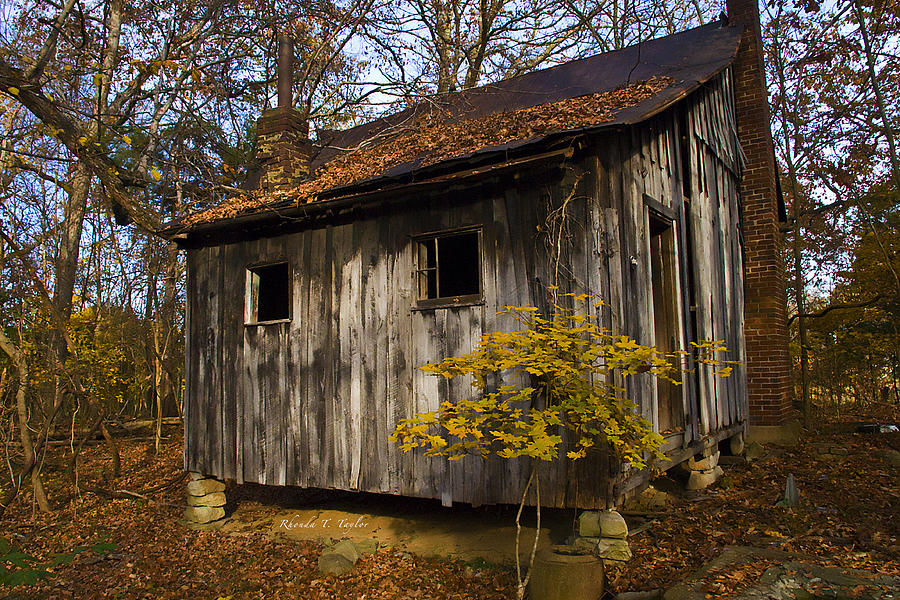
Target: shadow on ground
point(420, 526)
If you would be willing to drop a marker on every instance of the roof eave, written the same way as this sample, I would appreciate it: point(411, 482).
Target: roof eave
point(349, 197)
point(633, 115)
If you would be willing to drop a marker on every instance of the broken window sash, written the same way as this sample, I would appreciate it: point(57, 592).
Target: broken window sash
point(448, 268)
point(268, 293)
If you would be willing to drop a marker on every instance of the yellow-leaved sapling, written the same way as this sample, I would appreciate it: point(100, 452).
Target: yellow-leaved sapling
point(570, 372)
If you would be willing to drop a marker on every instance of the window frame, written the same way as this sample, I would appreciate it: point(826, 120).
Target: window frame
point(447, 301)
point(249, 308)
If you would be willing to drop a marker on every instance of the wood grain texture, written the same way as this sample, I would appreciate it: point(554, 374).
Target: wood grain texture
point(311, 401)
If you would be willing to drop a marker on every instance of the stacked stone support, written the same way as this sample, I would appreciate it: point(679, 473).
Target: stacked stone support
point(205, 500)
point(703, 469)
point(605, 534)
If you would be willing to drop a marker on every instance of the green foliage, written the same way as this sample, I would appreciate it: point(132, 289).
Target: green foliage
point(112, 369)
point(574, 370)
point(18, 568)
point(854, 342)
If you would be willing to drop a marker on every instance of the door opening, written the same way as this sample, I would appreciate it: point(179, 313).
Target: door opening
point(670, 406)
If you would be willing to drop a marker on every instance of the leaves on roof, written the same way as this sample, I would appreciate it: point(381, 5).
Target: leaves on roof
point(433, 136)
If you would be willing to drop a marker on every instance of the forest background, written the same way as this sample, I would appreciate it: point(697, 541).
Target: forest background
point(116, 117)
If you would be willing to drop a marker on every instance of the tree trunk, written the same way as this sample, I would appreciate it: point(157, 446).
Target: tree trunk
point(169, 404)
point(876, 87)
point(796, 248)
point(21, 364)
point(73, 220)
point(487, 15)
point(113, 449)
point(158, 393)
point(443, 40)
point(522, 583)
point(67, 269)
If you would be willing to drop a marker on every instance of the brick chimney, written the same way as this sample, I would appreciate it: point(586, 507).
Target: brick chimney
point(765, 300)
point(283, 148)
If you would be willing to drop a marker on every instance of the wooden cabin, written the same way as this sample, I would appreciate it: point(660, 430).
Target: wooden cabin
point(376, 250)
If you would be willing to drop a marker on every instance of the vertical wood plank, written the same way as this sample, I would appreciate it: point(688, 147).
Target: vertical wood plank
point(192, 360)
point(317, 328)
point(212, 461)
point(232, 320)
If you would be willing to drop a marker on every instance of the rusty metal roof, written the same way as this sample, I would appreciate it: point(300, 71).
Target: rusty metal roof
point(688, 59)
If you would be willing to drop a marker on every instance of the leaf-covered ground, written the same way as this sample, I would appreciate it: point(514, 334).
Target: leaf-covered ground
point(848, 516)
point(156, 557)
point(849, 512)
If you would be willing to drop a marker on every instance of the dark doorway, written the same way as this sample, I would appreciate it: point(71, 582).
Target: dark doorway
point(665, 318)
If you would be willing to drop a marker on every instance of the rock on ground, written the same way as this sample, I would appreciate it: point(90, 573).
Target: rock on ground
point(605, 523)
point(347, 549)
point(610, 549)
point(368, 546)
point(203, 514)
point(214, 499)
point(202, 487)
point(754, 451)
point(703, 479)
point(334, 563)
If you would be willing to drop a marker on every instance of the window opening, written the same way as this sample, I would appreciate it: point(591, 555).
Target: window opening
point(270, 293)
point(449, 268)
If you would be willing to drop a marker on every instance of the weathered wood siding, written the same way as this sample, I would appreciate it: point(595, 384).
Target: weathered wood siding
point(715, 228)
point(640, 170)
point(311, 402)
